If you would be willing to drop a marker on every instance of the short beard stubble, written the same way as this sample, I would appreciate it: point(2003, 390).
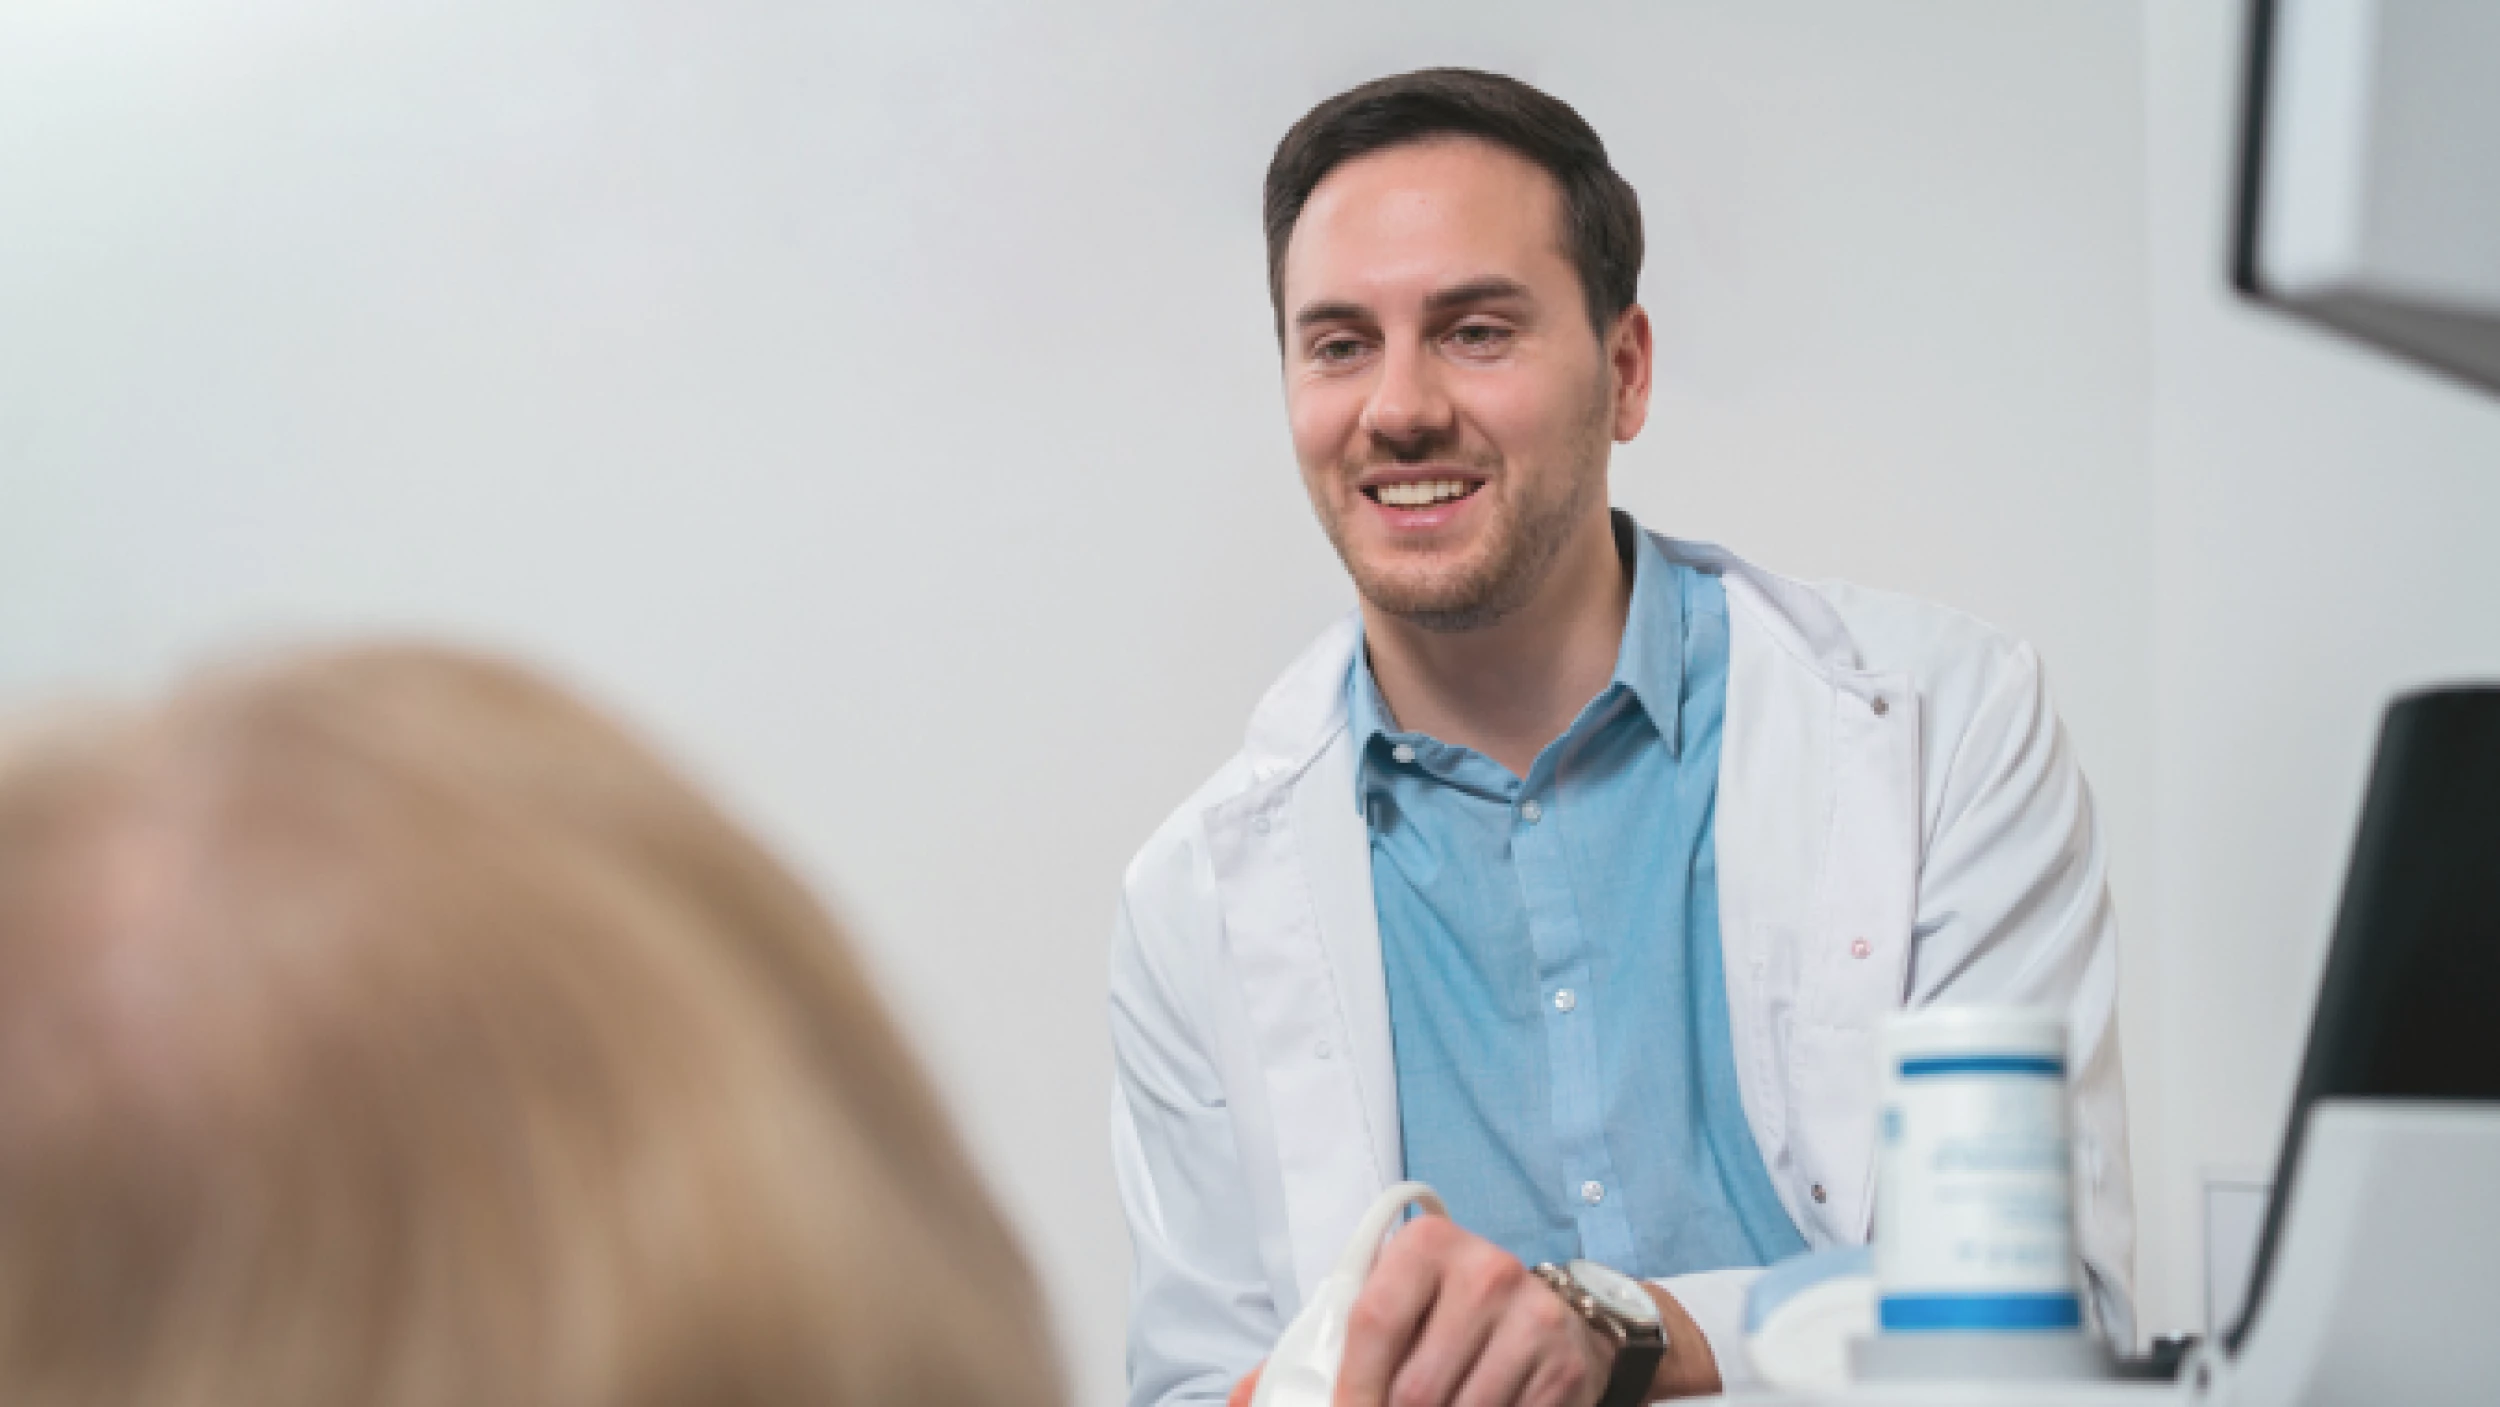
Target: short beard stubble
point(1525, 544)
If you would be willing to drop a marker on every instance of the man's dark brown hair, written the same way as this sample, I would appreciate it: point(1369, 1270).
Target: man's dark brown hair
point(1601, 216)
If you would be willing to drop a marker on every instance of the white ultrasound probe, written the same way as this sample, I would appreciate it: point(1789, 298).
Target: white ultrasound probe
point(1302, 1370)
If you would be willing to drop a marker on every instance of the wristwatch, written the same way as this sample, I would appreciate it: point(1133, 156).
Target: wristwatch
point(1615, 1305)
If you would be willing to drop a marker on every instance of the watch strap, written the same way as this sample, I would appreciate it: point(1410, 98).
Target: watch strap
point(1637, 1353)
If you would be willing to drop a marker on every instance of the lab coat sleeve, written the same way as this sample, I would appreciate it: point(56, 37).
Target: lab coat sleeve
point(2013, 907)
point(1200, 1311)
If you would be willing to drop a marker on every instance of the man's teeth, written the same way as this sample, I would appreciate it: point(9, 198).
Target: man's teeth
point(1422, 495)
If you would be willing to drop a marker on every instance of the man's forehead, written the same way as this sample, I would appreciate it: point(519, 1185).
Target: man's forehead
point(1423, 213)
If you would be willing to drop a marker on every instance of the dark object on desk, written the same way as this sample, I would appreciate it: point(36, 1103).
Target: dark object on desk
point(2409, 1007)
point(2161, 1362)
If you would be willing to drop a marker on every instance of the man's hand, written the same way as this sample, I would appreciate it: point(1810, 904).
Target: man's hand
point(1448, 1319)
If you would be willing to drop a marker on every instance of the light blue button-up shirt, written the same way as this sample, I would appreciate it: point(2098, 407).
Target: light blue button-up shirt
point(1551, 943)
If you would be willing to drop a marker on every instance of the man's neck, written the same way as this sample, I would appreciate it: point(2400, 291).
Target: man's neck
point(1509, 688)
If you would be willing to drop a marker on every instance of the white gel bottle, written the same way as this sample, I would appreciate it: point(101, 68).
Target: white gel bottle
point(1975, 1266)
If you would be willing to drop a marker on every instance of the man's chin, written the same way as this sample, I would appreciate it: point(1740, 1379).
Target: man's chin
point(1442, 606)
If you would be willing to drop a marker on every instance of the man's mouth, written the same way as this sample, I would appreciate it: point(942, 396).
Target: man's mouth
point(1423, 493)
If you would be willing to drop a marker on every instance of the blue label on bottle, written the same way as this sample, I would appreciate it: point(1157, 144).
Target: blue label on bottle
point(1912, 1313)
point(1925, 1066)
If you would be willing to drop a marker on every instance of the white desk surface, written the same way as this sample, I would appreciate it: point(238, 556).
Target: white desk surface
point(1998, 1394)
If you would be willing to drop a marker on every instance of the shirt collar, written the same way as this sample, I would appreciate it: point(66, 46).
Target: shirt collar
point(1367, 714)
point(1649, 664)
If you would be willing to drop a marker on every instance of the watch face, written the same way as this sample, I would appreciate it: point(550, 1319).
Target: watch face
point(1618, 1292)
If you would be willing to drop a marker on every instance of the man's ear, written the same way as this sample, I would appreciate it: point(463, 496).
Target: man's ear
point(1631, 358)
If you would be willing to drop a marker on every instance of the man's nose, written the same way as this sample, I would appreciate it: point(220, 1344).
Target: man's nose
point(1409, 408)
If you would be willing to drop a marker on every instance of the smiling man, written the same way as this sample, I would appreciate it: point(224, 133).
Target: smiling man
point(1576, 872)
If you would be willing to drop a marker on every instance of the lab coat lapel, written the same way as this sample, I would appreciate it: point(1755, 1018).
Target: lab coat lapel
point(1338, 866)
point(1855, 965)
point(1292, 869)
point(1818, 853)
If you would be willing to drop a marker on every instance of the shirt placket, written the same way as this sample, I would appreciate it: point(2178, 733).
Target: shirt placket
point(1563, 969)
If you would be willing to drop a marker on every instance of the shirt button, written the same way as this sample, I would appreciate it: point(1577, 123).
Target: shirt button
point(1592, 1192)
point(1530, 812)
point(1818, 1193)
point(1880, 706)
point(1403, 752)
point(1860, 948)
point(1321, 1050)
point(1259, 824)
point(1566, 999)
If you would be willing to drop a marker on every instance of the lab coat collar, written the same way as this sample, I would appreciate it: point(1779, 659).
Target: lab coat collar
point(1306, 707)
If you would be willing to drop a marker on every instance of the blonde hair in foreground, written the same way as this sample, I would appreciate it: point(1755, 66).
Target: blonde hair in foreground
point(385, 1027)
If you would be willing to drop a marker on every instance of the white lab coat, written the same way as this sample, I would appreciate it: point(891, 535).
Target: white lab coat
point(1900, 821)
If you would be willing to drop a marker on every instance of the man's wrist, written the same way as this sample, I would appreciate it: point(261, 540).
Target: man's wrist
point(1689, 1367)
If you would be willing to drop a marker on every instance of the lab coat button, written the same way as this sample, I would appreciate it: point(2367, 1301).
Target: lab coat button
point(1819, 1194)
point(1259, 824)
point(1880, 706)
point(1592, 1192)
point(1860, 948)
point(1530, 812)
point(1321, 1050)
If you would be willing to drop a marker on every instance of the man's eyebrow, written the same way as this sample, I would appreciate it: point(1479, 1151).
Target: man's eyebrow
point(1490, 288)
point(1475, 290)
point(1313, 314)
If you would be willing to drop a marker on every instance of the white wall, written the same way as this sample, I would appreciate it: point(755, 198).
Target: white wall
point(879, 403)
point(2325, 523)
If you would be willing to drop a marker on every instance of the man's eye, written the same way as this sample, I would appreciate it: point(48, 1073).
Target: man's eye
point(1480, 337)
point(1337, 349)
